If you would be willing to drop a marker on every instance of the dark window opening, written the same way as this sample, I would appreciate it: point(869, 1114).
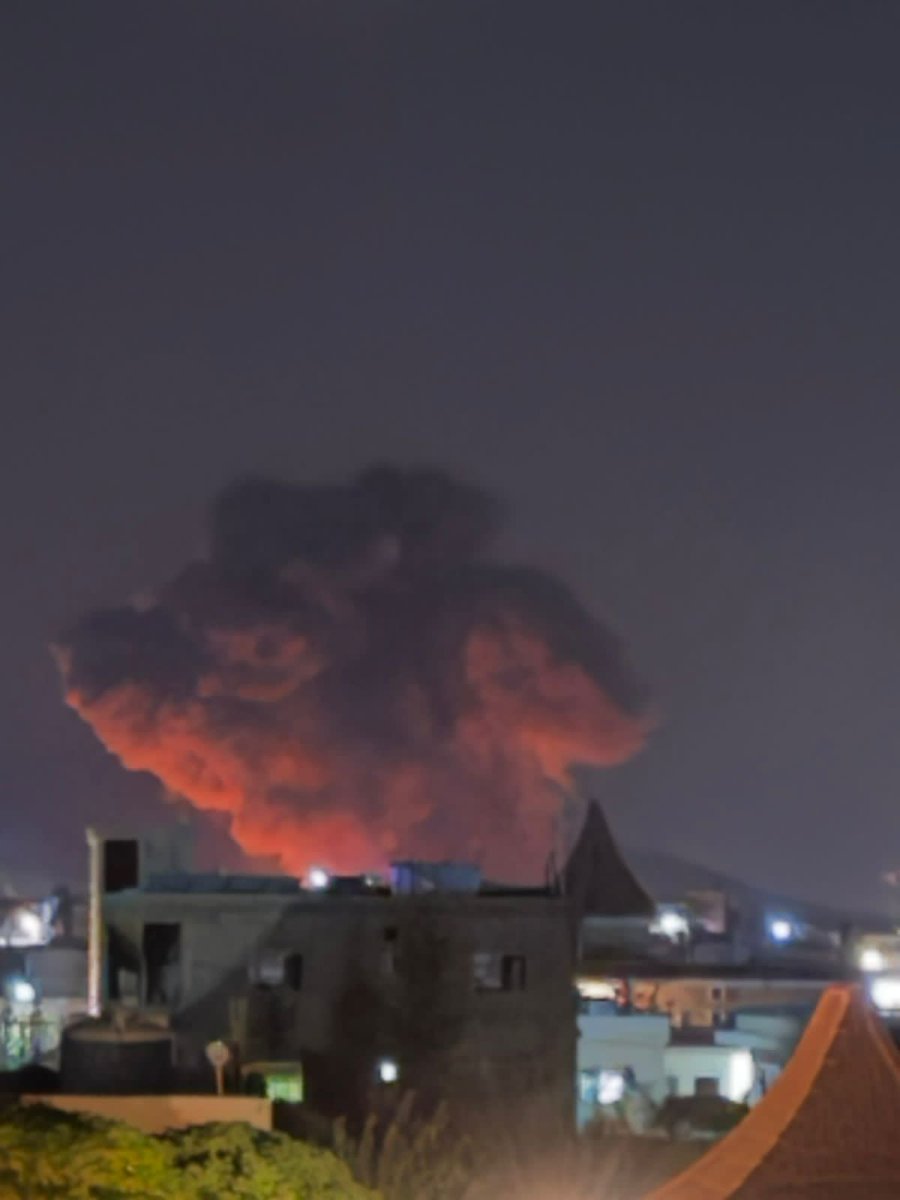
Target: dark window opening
point(162, 963)
point(293, 971)
point(498, 972)
point(120, 865)
point(512, 970)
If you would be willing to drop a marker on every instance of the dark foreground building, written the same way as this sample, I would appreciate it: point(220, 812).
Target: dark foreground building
point(458, 991)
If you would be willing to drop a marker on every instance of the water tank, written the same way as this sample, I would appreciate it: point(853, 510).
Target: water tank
point(110, 1057)
point(417, 878)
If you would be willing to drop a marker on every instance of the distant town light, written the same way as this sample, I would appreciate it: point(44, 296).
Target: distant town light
point(22, 991)
point(871, 959)
point(741, 1075)
point(388, 1070)
point(671, 923)
point(610, 1087)
point(318, 879)
point(781, 929)
point(29, 928)
point(885, 993)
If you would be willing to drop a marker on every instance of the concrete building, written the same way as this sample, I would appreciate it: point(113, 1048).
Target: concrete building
point(462, 992)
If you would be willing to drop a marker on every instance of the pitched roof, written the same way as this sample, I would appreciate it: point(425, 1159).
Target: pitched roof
point(829, 1129)
point(597, 878)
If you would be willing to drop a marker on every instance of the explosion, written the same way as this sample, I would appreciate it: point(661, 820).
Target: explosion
point(351, 679)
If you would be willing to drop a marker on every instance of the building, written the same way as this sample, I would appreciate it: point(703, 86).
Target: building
point(691, 996)
point(43, 976)
point(355, 988)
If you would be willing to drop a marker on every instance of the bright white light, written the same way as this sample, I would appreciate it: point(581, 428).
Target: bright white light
point(871, 959)
point(781, 930)
point(610, 1087)
point(741, 1074)
point(596, 989)
point(29, 927)
point(318, 879)
point(886, 993)
point(22, 991)
point(671, 924)
point(388, 1071)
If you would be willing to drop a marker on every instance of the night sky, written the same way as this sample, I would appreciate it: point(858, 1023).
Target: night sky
point(634, 266)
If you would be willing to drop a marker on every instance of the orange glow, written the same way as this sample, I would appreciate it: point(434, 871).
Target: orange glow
point(401, 706)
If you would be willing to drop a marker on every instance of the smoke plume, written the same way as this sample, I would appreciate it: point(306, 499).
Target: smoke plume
point(351, 679)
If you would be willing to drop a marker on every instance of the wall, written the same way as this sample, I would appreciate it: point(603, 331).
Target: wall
point(154, 1114)
point(613, 1042)
point(684, 1065)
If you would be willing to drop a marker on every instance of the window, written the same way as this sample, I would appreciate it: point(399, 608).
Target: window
point(293, 971)
point(162, 963)
point(120, 865)
point(287, 1088)
point(600, 1086)
point(273, 968)
point(706, 1085)
point(498, 972)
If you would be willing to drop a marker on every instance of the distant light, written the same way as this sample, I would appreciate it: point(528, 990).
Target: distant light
point(671, 924)
point(388, 1070)
point(29, 927)
point(318, 879)
point(21, 991)
point(610, 1087)
point(781, 930)
point(596, 989)
point(886, 993)
point(871, 959)
point(741, 1074)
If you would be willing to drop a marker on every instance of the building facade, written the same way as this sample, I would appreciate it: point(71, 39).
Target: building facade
point(464, 997)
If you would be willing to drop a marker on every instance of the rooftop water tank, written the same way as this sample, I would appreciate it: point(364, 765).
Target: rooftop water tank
point(112, 1056)
point(418, 878)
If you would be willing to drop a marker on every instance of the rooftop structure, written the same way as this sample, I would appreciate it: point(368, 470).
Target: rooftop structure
point(597, 879)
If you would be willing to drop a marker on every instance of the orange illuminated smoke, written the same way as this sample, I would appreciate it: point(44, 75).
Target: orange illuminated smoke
point(350, 679)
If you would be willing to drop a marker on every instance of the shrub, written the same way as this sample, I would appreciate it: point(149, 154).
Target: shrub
point(219, 1160)
point(46, 1154)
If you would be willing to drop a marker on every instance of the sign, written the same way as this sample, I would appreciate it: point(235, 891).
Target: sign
point(219, 1056)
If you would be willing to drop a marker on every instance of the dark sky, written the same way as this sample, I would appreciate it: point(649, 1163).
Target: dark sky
point(633, 265)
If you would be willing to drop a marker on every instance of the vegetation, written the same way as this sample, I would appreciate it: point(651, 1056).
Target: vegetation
point(407, 1158)
point(46, 1154)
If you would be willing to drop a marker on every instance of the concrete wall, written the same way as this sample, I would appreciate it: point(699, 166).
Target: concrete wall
point(728, 1065)
point(154, 1114)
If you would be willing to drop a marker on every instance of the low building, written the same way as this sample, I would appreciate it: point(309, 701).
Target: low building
point(463, 993)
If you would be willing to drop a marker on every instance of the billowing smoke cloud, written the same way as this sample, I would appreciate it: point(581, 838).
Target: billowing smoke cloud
point(351, 679)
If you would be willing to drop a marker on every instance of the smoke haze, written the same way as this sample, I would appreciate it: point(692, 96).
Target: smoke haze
point(351, 678)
